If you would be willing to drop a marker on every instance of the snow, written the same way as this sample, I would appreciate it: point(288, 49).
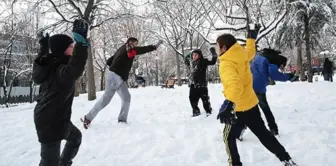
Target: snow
point(161, 131)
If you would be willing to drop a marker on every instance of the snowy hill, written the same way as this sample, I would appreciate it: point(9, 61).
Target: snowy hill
point(162, 133)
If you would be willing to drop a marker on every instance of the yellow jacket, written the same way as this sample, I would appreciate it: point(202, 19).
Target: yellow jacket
point(236, 76)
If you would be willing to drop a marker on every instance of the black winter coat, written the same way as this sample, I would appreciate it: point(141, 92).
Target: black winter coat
point(121, 62)
point(198, 69)
point(56, 75)
point(327, 67)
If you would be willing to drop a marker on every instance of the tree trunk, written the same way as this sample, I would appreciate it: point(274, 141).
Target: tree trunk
point(90, 75)
point(299, 68)
point(157, 73)
point(77, 88)
point(102, 80)
point(31, 88)
point(307, 43)
point(178, 70)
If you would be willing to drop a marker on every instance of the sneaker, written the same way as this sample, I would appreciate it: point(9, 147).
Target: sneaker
point(240, 138)
point(289, 163)
point(86, 122)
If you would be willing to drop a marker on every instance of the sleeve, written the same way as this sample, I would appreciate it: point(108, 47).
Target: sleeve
point(250, 49)
point(140, 50)
point(109, 61)
point(274, 74)
point(187, 59)
point(233, 86)
point(74, 69)
point(212, 61)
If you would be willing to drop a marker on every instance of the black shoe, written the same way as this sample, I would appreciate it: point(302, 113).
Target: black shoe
point(274, 132)
point(122, 121)
point(196, 114)
point(65, 164)
point(289, 163)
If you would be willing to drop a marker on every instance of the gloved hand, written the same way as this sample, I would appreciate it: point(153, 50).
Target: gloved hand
point(253, 33)
point(213, 51)
point(44, 42)
point(292, 77)
point(226, 113)
point(158, 43)
point(80, 32)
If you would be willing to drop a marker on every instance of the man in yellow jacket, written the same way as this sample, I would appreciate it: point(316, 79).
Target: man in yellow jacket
point(240, 107)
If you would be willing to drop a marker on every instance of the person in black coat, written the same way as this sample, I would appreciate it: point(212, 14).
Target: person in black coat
point(56, 73)
point(198, 84)
point(328, 72)
point(120, 65)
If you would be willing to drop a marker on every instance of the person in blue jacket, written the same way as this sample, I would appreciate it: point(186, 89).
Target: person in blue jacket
point(265, 67)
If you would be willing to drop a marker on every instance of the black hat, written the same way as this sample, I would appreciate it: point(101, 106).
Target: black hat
point(199, 52)
point(59, 43)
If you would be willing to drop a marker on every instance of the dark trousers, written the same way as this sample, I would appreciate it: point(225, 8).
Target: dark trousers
point(328, 77)
point(197, 93)
point(252, 119)
point(50, 152)
point(267, 111)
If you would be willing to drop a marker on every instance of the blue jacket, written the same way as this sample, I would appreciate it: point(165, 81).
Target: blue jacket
point(261, 69)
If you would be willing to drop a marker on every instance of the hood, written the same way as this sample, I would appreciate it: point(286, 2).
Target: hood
point(199, 52)
point(236, 54)
point(43, 65)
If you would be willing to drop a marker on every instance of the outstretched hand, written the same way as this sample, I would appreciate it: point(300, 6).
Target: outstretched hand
point(80, 31)
point(213, 51)
point(253, 32)
point(158, 43)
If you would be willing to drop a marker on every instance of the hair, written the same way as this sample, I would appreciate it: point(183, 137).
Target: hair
point(271, 55)
point(282, 60)
point(132, 39)
point(226, 40)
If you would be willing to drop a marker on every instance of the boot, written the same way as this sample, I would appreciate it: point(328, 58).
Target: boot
point(122, 121)
point(274, 132)
point(289, 163)
point(196, 113)
point(65, 164)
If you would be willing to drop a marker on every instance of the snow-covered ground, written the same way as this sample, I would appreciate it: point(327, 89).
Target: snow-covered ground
point(162, 133)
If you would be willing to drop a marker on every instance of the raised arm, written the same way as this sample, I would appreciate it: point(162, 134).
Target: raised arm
point(74, 69)
point(252, 35)
point(250, 48)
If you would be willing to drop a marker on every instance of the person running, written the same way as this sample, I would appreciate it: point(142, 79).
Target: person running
point(120, 65)
point(240, 108)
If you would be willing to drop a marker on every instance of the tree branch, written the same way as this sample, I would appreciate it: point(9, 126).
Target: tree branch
point(76, 8)
point(58, 12)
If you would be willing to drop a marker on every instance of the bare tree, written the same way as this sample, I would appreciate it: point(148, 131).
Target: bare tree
point(88, 10)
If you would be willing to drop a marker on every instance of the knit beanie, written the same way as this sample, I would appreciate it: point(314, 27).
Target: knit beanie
point(59, 43)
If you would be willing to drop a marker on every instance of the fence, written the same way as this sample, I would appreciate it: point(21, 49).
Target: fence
point(19, 95)
point(17, 99)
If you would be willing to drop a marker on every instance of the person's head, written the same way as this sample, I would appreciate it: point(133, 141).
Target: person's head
point(61, 44)
point(224, 43)
point(197, 54)
point(326, 60)
point(272, 55)
point(282, 62)
point(132, 42)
